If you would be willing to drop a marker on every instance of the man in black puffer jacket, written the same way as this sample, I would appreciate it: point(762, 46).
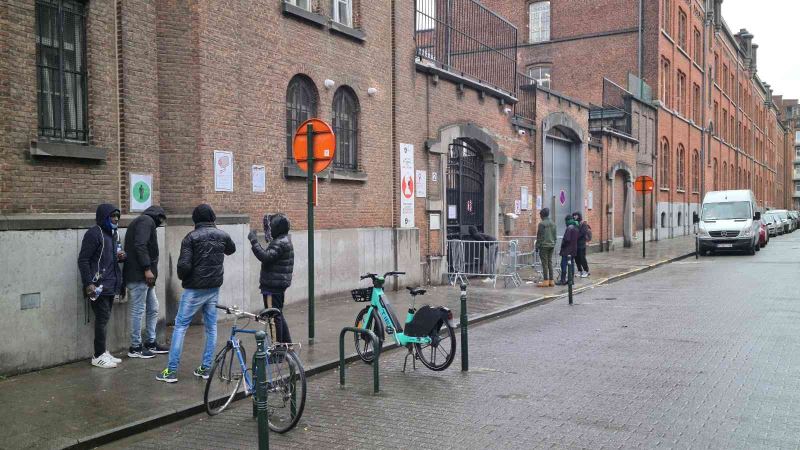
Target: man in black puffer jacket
point(277, 265)
point(200, 269)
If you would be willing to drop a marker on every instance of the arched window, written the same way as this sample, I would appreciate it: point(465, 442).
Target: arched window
point(663, 220)
point(681, 167)
point(345, 127)
point(665, 168)
point(680, 216)
point(716, 175)
point(301, 105)
point(732, 179)
point(695, 171)
point(541, 73)
point(724, 174)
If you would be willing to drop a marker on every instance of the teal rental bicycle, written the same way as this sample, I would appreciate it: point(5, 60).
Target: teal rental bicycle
point(428, 334)
point(286, 379)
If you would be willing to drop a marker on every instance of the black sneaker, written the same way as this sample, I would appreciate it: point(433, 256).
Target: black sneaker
point(140, 352)
point(202, 372)
point(154, 347)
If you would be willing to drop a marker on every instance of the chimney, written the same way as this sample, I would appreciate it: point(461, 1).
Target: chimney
point(718, 15)
point(754, 59)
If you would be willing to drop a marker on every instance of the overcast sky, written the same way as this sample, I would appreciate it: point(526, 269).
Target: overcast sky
point(774, 23)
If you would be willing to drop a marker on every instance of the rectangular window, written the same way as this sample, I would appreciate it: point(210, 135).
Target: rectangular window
point(61, 69)
point(666, 19)
point(725, 78)
point(343, 12)
point(696, 104)
point(541, 74)
point(724, 124)
point(716, 119)
point(698, 47)
point(539, 21)
point(797, 187)
point(305, 4)
point(682, 33)
point(666, 85)
point(680, 94)
point(797, 140)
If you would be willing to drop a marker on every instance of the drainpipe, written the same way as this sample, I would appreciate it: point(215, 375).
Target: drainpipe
point(641, 46)
point(394, 137)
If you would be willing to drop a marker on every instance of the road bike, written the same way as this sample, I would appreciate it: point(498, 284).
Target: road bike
point(427, 333)
point(286, 379)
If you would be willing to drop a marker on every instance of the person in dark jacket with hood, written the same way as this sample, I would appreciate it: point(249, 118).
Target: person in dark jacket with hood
point(98, 263)
point(277, 265)
point(200, 269)
point(569, 247)
point(584, 235)
point(141, 271)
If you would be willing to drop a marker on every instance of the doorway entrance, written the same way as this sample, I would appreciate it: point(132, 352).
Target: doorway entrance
point(465, 196)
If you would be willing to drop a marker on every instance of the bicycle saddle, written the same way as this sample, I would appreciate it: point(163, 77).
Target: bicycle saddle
point(269, 313)
point(415, 291)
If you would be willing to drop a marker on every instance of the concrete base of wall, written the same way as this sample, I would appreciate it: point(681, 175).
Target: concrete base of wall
point(61, 328)
point(675, 219)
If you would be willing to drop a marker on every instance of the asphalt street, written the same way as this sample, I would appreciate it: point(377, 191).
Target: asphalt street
point(695, 354)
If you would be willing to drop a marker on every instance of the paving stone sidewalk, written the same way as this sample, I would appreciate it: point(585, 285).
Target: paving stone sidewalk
point(75, 404)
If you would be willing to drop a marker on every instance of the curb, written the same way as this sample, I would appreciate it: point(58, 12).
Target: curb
point(156, 421)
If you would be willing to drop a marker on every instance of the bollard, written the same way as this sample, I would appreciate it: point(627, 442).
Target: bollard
point(464, 333)
point(375, 361)
point(261, 391)
point(570, 277)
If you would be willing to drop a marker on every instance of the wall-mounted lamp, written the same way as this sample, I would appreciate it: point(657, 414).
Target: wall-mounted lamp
point(329, 83)
point(507, 111)
point(372, 91)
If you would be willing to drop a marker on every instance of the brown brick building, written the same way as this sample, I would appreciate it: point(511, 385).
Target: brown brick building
point(717, 125)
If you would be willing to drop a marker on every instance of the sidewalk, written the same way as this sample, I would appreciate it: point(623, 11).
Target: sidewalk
point(78, 405)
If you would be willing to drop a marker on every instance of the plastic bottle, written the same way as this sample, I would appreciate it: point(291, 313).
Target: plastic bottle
point(97, 291)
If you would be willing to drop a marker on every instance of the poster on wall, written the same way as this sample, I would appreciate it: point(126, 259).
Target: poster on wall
point(538, 202)
point(407, 186)
point(259, 179)
point(141, 191)
point(435, 222)
point(590, 201)
point(223, 171)
point(517, 207)
point(422, 183)
point(525, 205)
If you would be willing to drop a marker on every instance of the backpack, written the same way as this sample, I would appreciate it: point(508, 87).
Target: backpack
point(588, 232)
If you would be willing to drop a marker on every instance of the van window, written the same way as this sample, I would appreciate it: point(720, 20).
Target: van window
point(726, 210)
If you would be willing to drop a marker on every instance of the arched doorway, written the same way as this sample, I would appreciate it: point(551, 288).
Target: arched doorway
point(465, 191)
point(563, 167)
point(622, 195)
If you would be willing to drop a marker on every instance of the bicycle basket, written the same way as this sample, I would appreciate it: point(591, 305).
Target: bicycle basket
point(362, 294)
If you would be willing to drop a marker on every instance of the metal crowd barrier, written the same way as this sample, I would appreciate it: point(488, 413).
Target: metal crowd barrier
point(489, 259)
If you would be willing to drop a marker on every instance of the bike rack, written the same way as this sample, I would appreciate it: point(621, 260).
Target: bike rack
point(375, 348)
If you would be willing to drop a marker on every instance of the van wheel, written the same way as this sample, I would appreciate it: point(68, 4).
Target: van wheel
point(751, 251)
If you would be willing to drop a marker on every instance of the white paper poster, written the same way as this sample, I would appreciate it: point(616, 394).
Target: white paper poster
point(141, 191)
point(406, 186)
point(436, 222)
point(452, 212)
point(259, 179)
point(524, 198)
point(434, 177)
point(591, 200)
point(422, 183)
point(538, 202)
point(223, 171)
point(517, 207)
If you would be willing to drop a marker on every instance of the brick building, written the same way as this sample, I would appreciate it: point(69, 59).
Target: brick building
point(789, 117)
point(717, 125)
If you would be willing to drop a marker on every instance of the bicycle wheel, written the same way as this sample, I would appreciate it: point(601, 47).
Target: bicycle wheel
point(439, 354)
point(364, 344)
point(224, 381)
point(286, 396)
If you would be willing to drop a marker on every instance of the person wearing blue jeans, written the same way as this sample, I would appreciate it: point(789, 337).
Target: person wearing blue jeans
point(144, 303)
point(200, 269)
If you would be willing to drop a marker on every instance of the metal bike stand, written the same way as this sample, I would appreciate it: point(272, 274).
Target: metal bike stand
point(375, 349)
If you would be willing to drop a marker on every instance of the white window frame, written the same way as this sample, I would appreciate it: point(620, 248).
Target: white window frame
point(542, 79)
point(302, 4)
point(539, 21)
point(797, 140)
point(348, 6)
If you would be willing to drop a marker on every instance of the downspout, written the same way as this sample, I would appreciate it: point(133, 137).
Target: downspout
point(120, 108)
point(641, 47)
point(394, 138)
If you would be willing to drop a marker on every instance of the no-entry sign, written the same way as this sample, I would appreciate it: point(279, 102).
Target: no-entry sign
point(324, 145)
point(643, 184)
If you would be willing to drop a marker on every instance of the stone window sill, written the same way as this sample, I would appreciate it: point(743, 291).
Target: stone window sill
point(352, 33)
point(291, 170)
point(67, 150)
point(300, 13)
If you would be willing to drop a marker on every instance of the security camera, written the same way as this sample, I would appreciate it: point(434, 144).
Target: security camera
point(521, 132)
point(507, 110)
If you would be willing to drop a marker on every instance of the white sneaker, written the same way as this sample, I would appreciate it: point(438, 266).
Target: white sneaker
point(113, 358)
point(584, 274)
point(103, 362)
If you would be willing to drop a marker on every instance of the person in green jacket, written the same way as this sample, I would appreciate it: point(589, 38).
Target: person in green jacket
point(545, 244)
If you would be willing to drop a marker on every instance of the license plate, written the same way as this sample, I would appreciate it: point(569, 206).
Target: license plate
point(725, 245)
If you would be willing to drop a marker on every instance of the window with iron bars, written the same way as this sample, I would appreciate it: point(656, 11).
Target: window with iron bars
point(541, 74)
point(539, 21)
point(304, 4)
point(301, 105)
point(61, 70)
point(345, 127)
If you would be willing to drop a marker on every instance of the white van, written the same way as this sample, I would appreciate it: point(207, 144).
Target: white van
point(729, 221)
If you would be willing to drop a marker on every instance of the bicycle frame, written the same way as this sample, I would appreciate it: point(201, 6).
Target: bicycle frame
point(234, 343)
point(401, 339)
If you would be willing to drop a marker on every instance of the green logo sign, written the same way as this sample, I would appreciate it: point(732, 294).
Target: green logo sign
point(141, 192)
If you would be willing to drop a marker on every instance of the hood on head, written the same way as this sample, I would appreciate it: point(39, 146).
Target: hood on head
point(578, 215)
point(278, 224)
point(102, 214)
point(203, 213)
point(473, 230)
point(544, 213)
point(157, 213)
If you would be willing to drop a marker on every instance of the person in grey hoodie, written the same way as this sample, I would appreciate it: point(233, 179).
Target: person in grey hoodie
point(141, 271)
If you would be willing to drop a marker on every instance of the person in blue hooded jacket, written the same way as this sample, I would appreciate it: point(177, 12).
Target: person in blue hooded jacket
point(98, 263)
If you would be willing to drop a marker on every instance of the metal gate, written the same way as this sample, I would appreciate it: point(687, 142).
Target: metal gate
point(464, 190)
point(558, 181)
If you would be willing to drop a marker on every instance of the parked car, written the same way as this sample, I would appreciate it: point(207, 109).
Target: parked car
point(729, 220)
point(772, 223)
point(796, 216)
point(763, 234)
point(786, 222)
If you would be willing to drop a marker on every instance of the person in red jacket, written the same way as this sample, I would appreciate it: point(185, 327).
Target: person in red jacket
point(569, 247)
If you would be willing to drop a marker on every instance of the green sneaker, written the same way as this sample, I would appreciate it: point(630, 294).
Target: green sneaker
point(202, 372)
point(167, 376)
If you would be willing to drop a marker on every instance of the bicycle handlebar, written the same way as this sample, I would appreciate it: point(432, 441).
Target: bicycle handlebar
point(387, 274)
point(235, 310)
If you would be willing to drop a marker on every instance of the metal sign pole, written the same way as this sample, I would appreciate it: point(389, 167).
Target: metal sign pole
point(310, 182)
point(644, 214)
